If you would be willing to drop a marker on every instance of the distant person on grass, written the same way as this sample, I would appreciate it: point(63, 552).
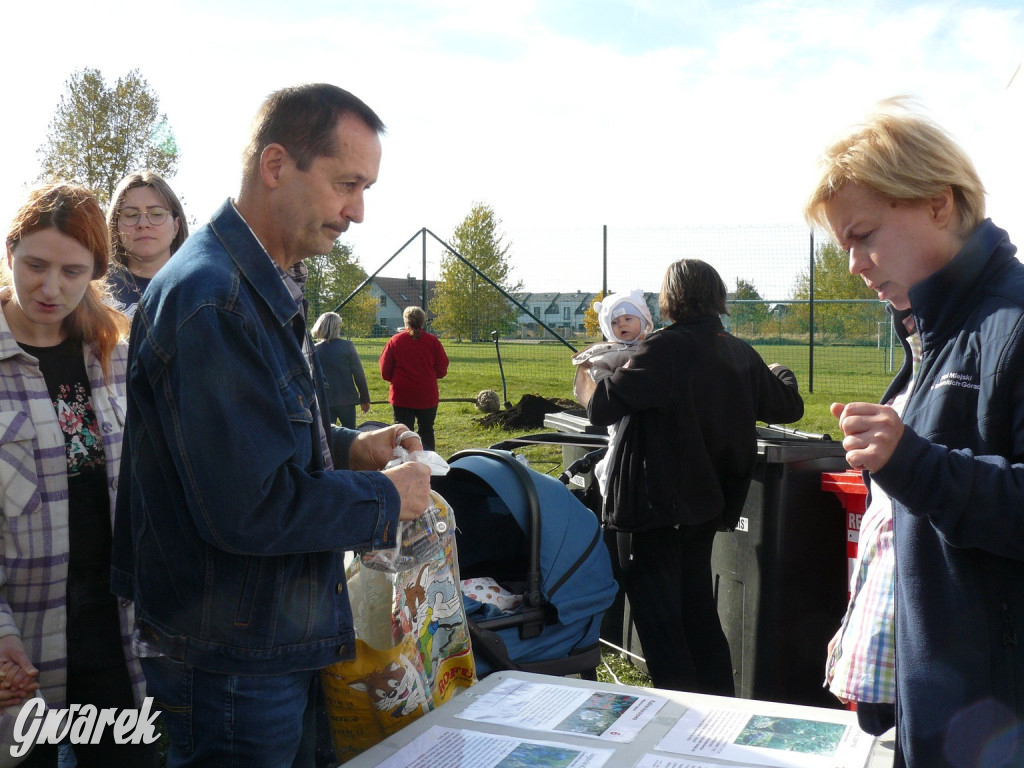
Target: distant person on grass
point(237, 499)
point(343, 370)
point(413, 360)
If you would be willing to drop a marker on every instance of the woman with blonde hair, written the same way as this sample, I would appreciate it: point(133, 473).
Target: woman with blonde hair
point(413, 360)
point(944, 451)
point(62, 406)
point(147, 226)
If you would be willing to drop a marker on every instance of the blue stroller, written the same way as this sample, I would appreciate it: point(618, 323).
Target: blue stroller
point(532, 535)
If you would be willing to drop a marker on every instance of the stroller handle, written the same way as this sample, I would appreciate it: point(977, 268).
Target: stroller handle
point(583, 464)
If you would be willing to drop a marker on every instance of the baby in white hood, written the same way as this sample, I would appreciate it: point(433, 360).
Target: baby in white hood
point(625, 320)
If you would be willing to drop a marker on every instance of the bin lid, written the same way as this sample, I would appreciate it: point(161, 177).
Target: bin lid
point(565, 421)
point(780, 445)
point(794, 449)
point(850, 481)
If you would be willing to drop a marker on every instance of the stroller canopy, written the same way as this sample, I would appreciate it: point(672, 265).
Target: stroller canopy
point(489, 498)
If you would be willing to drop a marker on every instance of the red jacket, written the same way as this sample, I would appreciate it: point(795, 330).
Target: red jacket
point(413, 367)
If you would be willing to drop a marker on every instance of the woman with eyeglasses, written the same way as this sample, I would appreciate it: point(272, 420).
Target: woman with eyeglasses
point(62, 408)
point(147, 226)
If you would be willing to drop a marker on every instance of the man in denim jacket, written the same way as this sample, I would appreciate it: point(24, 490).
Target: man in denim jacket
point(237, 498)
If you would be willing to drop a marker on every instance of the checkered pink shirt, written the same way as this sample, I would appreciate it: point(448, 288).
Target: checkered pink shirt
point(34, 520)
point(862, 664)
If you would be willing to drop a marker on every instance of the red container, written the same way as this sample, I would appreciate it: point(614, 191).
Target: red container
point(849, 487)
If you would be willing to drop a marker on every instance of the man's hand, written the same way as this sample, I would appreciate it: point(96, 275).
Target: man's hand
point(373, 450)
point(17, 673)
point(412, 479)
point(871, 433)
point(365, 407)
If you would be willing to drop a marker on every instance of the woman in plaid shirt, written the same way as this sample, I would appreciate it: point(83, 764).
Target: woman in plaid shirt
point(62, 375)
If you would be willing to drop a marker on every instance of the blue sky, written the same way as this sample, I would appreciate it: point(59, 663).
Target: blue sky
point(562, 114)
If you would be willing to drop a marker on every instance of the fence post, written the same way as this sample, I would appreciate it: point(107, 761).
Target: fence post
point(810, 317)
point(892, 348)
point(604, 263)
point(423, 282)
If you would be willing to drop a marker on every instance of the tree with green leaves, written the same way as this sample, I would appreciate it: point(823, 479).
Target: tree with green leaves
point(100, 134)
point(465, 304)
point(332, 278)
point(748, 320)
point(832, 280)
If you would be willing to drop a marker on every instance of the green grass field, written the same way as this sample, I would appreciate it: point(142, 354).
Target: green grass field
point(842, 374)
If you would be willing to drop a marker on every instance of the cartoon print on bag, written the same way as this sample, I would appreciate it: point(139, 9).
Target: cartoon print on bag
point(397, 689)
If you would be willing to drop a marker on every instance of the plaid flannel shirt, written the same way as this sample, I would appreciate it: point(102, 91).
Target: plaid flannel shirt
point(862, 667)
point(34, 538)
point(862, 664)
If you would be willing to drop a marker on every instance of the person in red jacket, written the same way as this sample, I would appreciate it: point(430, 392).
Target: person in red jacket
point(413, 360)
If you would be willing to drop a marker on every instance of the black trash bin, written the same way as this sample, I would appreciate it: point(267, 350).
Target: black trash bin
point(781, 576)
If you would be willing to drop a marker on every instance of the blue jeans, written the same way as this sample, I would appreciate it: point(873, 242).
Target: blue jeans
point(228, 720)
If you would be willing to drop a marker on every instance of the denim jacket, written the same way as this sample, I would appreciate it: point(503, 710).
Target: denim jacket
point(229, 533)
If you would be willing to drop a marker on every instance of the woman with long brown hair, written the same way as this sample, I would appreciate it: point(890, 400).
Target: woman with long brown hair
point(62, 406)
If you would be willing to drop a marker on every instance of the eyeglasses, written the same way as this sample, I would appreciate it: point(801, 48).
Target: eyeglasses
point(155, 216)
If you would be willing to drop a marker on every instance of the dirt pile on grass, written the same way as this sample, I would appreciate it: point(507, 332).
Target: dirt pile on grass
point(528, 413)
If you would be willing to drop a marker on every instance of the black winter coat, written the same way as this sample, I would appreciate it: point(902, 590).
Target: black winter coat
point(694, 394)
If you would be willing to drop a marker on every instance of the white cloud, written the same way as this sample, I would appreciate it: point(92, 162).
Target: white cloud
point(510, 104)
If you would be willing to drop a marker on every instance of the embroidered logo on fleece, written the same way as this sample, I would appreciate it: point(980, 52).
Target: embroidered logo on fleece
point(954, 379)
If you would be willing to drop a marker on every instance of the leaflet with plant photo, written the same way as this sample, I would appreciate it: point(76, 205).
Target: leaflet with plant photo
point(660, 761)
point(789, 740)
point(565, 709)
point(441, 747)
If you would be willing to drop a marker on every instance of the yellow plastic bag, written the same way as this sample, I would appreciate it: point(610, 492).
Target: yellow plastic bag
point(413, 650)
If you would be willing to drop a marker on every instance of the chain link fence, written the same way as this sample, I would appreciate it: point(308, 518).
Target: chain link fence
point(835, 345)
